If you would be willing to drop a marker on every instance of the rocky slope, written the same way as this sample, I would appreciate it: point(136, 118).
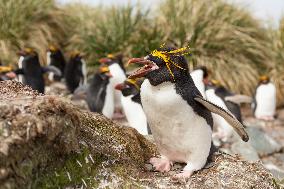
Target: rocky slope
point(46, 142)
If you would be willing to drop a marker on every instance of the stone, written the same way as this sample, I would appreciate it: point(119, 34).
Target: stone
point(245, 150)
point(262, 142)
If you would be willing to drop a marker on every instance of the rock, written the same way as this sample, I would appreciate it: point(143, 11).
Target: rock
point(262, 143)
point(245, 150)
point(50, 143)
point(276, 171)
point(280, 114)
point(57, 88)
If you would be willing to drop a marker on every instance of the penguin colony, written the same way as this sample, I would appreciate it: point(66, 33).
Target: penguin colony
point(163, 98)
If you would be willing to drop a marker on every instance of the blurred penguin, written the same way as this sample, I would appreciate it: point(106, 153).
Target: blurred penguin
point(264, 104)
point(100, 93)
point(30, 70)
point(55, 58)
point(217, 94)
point(6, 73)
point(117, 71)
point(131, 102)
point(75, 72)
point(200, 78)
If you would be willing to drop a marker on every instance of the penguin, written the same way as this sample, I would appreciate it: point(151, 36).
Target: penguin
point(200, 78)
point(55, 58)
point(131, 103)
point(100, 93)
point(75, 72)
point(179, 117)
point(216, 93)
point(117, 71)
point(6, 73)
point(264, 105)
point(30, 70)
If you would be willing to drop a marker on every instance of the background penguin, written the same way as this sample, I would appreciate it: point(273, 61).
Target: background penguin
point(55, 58)
point(200, 78)
point(100, 93)
point(31, 70)
point(179, 118)
point(216, 93)
point(75, 71)
point(131, 102)
point(5, 73)
point(264, 104)
point(117, 71)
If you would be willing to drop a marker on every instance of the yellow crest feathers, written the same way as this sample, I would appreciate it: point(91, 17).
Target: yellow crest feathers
point(165, 56)
point(133, 82)
point(5, 69)
point(104, 69)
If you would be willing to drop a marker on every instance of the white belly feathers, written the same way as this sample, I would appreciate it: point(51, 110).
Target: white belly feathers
point(265, 100)
point(134, 114)
point(177, 130)
point(118, 77)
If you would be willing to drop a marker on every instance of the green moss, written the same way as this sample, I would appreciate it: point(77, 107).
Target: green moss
point(75, 170)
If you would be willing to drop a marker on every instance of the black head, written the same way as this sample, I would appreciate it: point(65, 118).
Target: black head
point(30, 57)
point(213, 84)
point(204, 70)
point(27, 52)
point(112, 59)
point(54, 51)
point(164, 64)
point(264, 79)
point(104, 72)
point(76, 56)
point(129, 87)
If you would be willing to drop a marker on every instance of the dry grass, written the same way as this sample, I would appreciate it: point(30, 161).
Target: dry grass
point(32, 23)
point(223, 37)
point(276, 67)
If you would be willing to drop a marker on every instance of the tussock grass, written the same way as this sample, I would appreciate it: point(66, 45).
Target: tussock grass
point(32, 23)
point(225, 38)
point(276, 67)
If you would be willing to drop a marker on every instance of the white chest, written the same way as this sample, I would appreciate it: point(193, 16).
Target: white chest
point(118, 76)
point(134, 114)
point(197, 77)
point(219, 122)
point(108, 107)
point(265, 100)
point(177, 130)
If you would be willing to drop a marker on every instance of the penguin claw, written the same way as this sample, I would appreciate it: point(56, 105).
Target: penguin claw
point(161, 164)
point(182, 177)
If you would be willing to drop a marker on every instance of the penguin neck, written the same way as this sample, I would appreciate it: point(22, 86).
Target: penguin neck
point(116, 70)
point(48, 58)
point(136, 98)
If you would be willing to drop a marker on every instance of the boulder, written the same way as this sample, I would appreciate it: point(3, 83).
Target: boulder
point(262, 142)
point(47, 142)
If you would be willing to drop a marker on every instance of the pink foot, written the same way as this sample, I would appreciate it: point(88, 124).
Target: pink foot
point(266, 118)
point(161, 164)
point(183, 176)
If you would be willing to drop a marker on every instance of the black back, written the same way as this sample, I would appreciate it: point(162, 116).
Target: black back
point(57, 59)
point(33, 73)
point(96, 92)
point(234, 108)
point(73, 73)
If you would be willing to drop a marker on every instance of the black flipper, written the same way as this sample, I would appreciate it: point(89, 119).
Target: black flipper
point(53, 69)
point(238, 127)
